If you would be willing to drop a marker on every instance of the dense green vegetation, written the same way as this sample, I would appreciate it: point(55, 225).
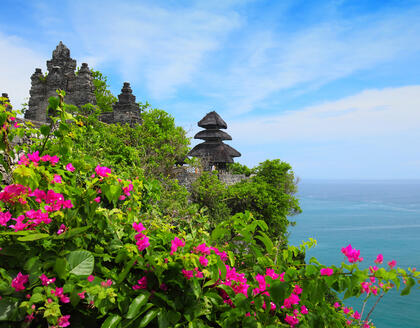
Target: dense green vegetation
point(95, 231)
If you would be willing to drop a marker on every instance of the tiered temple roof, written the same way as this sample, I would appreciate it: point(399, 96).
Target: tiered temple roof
point(213, 149)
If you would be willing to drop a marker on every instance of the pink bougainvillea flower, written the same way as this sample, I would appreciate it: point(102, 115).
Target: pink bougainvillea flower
point(90, 278)
point(122, 197)
point(139, 227)
point(203, 249)
point(352, 254)
point(59, 293)
point(203, 261)
point(127, 190)
point(270, 273)
point(291, 300)
point(291, 320)
point(70, 167)
point(297, 290)
point(102, 171)
point(45, 280)
point(64, 321)
point(326, 271)
point(57, 179)
point(97, 199)
point(337, 305)
point(176, 242)
point(141, 284)
point(346, 310)
point(163, 286)
point(392, 264)
point(379, 259)
point(356, 315)
point(4, 218)
point(62, 229)
point(19, 281)
point(82, 295)
point(304, 309)
point(107, 283)
point(188, 273)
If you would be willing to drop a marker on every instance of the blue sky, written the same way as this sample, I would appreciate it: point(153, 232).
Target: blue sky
point(332, 87)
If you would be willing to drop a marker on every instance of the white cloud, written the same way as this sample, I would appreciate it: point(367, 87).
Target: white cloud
point(371, 113)
point(269, 61)
point(164, 46)
point(18, 64)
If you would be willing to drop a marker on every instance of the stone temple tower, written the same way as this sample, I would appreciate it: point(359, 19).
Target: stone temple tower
point(79, 86)
point(125, 110)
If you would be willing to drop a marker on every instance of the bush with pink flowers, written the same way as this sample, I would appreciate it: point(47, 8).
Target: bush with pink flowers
point(81, 246)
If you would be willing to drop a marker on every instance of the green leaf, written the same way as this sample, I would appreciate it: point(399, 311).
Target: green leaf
point(126, 270)
point(81, 263)
point(409, 284)
point(36, 298)
point(9, 310)
point(45, 129)
point(136, 305)
point(266, 241)
point(148, 317)
point(53, 103)
point(112, 321)
point(60, 267)
point(219, 232)
point(278, 291)
point(72, 232)
point(34, 236)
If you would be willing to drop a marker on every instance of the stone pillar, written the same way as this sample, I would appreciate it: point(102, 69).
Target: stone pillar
point(37, 106)
point(83, 92)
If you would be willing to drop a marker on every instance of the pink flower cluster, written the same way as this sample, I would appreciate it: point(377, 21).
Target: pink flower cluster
point(102, 171)
point(141, 284)
point(19, 281)
point(58, 292)
point(54, 201)
point(326, 271)
point(45, 280)
point(175, 243)
point(127, 190)
point(352, 254)
point(34, 218)
point(26, 159)
point(142, 241)
point(14, 193)
point(192, 273)
point(64, 321)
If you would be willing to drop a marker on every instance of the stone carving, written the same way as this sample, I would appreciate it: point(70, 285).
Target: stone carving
point(125, 110)
point(213, 150)
point(61, 75)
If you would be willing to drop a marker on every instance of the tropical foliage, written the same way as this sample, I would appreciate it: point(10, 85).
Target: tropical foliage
point(93, 233)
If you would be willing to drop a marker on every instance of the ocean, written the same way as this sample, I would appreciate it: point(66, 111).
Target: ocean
point(374, 217)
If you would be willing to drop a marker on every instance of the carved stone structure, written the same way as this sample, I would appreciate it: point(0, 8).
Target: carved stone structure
point(61, 75)
point(213, 149)
point(125, 110)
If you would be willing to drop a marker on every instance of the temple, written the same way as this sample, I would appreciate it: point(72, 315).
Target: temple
point(125, 110)
point(78, 86)
point(213, 150)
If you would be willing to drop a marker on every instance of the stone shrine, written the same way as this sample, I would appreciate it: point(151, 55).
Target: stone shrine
point(213, 150)
point(125, 110)
point(78, 86)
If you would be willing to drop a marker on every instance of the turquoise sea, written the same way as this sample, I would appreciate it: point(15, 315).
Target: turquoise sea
point(373, 216)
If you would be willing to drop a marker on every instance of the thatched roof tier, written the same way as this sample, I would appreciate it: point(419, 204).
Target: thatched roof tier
point(215, 152)
point(212, 135)
point(212, 121)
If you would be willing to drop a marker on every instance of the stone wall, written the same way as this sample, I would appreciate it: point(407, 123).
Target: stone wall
point(186, 176)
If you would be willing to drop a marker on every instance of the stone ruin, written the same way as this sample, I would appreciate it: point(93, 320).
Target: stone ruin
point(79, 89)
point(125, 110)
